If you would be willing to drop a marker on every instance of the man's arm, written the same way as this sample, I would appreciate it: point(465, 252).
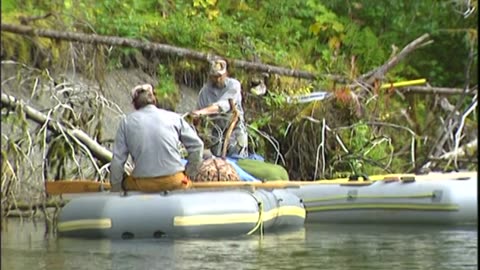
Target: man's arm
point(120, 156)
point(222, 105)
point(194, 146)
point(203, 108)
point(211, 109)
point(234, 92)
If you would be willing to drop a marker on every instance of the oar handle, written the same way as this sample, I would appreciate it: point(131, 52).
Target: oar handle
point(233, 122)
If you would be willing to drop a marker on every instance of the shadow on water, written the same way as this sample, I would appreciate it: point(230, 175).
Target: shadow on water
point(24, 246)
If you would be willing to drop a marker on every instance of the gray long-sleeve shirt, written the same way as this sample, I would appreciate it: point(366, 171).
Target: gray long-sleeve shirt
point(210, 95)
point(152, 137)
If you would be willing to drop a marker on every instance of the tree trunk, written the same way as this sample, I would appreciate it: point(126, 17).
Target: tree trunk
point(435, 90)
point(163, 48)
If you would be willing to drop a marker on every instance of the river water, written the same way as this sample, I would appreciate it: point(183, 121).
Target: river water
point(25, 246)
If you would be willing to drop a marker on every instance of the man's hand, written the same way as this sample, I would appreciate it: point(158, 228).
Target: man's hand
point(196, 113)
point(194, 118)
point(117, 187)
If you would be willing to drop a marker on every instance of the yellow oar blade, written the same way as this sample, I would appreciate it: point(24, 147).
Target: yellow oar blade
point(403, 83)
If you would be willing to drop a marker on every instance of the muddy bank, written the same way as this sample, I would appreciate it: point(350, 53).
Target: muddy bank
point(31, 87)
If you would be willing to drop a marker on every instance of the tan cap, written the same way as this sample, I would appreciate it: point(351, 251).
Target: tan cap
point(140, 88)
point(218, 67)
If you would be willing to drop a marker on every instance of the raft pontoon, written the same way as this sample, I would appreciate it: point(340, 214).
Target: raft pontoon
point(190, 213)
point(433, 199)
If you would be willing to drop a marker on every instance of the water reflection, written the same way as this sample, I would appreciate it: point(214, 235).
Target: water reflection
point(396, 247)
point(24, 246)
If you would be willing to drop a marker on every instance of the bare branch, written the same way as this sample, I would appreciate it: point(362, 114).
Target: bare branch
point(378, 73)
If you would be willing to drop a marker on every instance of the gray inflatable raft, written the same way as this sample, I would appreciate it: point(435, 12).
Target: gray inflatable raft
point(432, 199)
point(190, 213)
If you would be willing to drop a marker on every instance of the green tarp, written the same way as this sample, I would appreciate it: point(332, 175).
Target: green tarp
point(263, 170)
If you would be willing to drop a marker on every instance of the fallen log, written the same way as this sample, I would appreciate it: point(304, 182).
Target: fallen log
point(369, 77)
point(97, 150)
point(460, 152)
point(436, 90)
point(163, 48)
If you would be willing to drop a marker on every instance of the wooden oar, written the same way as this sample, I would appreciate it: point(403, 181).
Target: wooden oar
point(85, 186)
point(78, 186)
point(233, 122)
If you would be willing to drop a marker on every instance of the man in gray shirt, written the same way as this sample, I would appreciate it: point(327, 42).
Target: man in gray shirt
point(152, 137)
point(213, 99)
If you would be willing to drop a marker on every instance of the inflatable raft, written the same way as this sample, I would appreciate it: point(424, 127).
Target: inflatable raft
point(433, 199)
point(192, 213)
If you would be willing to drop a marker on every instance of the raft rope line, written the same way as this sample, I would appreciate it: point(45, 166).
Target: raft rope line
point(259, 225)
point(372, 206)
point(380, 205)
point(340, 197)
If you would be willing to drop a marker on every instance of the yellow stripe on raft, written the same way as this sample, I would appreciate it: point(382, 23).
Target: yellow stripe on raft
point(373, 206)
point(84, 224)
point(222, 219)
point(284, 211)
point(215, 219)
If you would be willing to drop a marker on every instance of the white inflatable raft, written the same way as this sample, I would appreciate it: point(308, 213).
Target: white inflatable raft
point(447, 198)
